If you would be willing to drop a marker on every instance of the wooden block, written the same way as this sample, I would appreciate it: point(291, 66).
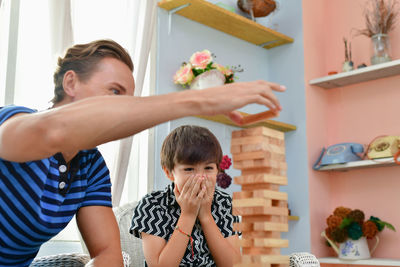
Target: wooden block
point(271, 243)
point(259, 179)
point(270, 194)
point(270, 226)
point(260, 234)
point(241, 227)
point(275, 259)
point(260, 211)
point(257, 131)
point(266, 194)
point(250, 140)
point(259, 163)
point(260, 251)
point(242, 194)
point(266, 243)
point(271, 259)
point(246, 264)
point(262, 142)
point(265, 218)
point(236, 149)
point(256, 145)
point(252, 202)
point(253, 118)
point(258, 155)
point(252, 187)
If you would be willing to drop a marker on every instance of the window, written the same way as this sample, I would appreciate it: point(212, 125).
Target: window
point(36, 53)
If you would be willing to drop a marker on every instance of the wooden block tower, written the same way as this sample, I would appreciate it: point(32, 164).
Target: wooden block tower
point(260, 155)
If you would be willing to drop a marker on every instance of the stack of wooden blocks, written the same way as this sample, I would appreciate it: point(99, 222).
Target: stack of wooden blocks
point(260, 155)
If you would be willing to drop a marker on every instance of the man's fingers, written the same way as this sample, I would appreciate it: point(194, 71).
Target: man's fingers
point(277, 87)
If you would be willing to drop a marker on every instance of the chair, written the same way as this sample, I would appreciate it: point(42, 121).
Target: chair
point(132, 250)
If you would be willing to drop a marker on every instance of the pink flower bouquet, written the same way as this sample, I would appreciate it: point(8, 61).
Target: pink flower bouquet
point(199, 63)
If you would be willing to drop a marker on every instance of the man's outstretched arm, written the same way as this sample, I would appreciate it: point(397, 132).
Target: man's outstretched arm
point(93, 121)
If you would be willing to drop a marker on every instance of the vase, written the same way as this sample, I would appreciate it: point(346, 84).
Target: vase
point(380, 52)
point(208, 79)
point(352, 249)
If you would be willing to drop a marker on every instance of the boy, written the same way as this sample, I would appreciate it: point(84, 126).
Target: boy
point(190, 209)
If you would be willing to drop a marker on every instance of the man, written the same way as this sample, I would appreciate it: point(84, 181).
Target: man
point(50, 169)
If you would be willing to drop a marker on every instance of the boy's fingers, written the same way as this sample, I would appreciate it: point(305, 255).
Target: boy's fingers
point(196, 186)
point(188, 184)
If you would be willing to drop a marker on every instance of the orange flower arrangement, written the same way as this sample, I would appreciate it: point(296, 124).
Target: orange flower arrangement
point(347, 223)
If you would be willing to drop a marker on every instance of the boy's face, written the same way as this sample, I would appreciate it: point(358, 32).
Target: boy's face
point(183, 172)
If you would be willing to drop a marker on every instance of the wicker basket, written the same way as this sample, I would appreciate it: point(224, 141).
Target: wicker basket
point(62, 260)
point(261, 8)
point(303, 259)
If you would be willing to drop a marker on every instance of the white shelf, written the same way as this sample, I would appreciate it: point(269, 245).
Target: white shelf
point(372, 261)
point(369, 73)
point(384, 162)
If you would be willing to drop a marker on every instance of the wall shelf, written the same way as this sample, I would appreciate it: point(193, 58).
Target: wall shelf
point(369, 73)
point(226, 21)
point(372, 261)
point(280, 126)
point(361, 164)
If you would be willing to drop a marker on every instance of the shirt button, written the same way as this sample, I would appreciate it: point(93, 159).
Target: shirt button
point(62, 168)
point(61, 185)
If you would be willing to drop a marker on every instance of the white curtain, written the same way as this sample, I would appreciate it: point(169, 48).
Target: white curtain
point(145, 34)
point(133, 28)
point(44, 34)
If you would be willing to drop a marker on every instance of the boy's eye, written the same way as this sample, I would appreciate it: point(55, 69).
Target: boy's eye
point(115, 91)
point(188, 169)
point(209, 168)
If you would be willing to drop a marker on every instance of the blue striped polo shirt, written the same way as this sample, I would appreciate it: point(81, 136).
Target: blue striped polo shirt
point(39, 198)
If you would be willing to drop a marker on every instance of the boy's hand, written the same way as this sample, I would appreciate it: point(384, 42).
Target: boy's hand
point(190, 196)
point(205, 205)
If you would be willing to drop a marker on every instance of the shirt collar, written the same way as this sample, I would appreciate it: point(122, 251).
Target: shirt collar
point(171, 199)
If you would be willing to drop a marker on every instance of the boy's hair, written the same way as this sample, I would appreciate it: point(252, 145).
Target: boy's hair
point(83, 60)
point(190, 144)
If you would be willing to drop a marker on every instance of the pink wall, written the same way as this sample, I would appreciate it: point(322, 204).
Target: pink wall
point(355, 113)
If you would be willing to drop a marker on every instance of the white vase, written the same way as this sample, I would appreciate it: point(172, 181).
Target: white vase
point(208, 79)
point(353, 249)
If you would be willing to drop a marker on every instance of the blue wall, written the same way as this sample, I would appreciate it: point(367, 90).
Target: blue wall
point(284, 64)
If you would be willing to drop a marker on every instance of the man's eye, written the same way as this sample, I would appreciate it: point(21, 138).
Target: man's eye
point(115, 91)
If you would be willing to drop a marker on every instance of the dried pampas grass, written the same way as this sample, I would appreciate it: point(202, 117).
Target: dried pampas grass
point(380, 17)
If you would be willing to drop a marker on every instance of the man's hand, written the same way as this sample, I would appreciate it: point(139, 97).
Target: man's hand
point(230, 97)
point(190, 196)
point(205, 205)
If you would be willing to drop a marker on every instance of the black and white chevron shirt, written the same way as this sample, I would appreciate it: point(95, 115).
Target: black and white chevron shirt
point(158, 212)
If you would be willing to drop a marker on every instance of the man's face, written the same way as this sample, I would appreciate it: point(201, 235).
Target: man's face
point(111, 77)
point(182, 172)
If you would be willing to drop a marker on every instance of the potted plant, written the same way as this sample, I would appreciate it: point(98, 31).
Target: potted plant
point(202, 72)
point(349, 229)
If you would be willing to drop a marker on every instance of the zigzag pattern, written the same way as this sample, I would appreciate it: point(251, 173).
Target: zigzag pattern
point(158, 212)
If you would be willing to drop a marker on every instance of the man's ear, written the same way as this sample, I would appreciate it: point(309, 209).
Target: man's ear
point(168, 174)
point(69, 83)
